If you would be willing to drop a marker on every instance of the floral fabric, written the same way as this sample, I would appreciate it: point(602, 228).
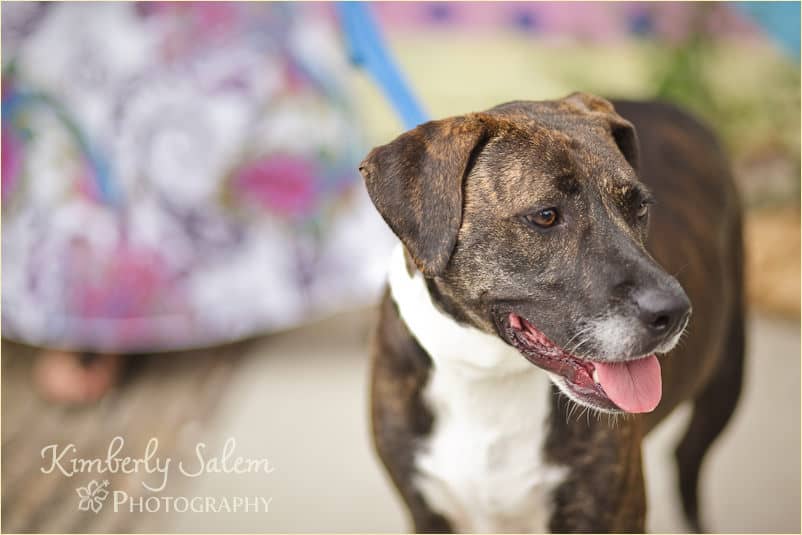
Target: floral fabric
point(178, 175)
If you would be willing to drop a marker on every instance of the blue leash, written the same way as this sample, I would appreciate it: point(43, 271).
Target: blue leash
point(366, 49)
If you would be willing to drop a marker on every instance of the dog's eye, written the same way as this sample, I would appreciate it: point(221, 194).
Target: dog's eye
point(543, 218)
point(643, 208)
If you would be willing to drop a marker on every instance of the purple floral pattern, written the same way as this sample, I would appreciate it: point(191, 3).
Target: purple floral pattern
point(173, 177)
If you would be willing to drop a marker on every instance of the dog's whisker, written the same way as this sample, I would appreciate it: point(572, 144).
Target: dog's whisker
point(581, 332)
point(574, 350)
point(574, 407)
point(681, 269)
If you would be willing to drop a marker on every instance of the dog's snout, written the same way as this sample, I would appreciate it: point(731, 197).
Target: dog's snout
point(662, 312)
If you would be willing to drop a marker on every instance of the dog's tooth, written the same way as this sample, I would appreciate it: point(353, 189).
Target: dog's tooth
point(595, 376)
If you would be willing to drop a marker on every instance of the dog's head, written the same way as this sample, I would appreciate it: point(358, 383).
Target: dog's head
point(528, 221)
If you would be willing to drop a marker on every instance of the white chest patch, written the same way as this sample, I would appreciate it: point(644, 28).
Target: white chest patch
point(482, 466)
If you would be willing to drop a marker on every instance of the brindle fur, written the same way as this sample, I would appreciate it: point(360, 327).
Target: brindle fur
point(452, 190)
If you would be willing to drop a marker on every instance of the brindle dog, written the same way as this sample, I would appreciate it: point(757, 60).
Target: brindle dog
point(553, 228)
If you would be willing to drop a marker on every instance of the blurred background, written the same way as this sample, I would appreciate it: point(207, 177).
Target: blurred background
point(188, 252)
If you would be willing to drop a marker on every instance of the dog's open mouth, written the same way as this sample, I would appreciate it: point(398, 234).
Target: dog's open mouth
point(630, 386)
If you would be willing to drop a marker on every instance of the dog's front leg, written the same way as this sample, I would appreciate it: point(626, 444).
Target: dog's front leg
point(604, 491)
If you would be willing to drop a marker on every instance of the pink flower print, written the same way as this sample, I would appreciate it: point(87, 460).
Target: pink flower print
point(215, 17)
point(281, 183)
point(12, 153)
point(129, 283)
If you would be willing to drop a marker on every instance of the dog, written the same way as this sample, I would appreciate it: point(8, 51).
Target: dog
point(549, 255)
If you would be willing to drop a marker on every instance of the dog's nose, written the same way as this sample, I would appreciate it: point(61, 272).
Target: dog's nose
point(662, 312)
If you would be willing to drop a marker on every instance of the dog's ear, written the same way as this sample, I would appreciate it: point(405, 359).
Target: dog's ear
point(623, 131)
point(626, 138)
point(416, 180)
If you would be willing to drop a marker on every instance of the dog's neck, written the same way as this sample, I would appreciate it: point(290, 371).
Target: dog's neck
point(464, 349)
point(481, 392)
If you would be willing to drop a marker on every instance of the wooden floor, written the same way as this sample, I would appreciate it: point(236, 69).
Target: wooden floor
point(170, 397)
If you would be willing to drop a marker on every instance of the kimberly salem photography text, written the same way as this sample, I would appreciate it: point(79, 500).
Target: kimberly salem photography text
point(155, 469)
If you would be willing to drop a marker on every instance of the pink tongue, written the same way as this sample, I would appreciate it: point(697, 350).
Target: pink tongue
point(634, 386)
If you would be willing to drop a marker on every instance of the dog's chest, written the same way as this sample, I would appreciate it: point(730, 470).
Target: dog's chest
point(482, 466)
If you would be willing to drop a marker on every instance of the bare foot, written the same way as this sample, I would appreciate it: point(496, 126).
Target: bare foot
point(75, 378)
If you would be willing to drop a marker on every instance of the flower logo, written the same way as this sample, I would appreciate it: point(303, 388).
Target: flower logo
point(92, 496)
